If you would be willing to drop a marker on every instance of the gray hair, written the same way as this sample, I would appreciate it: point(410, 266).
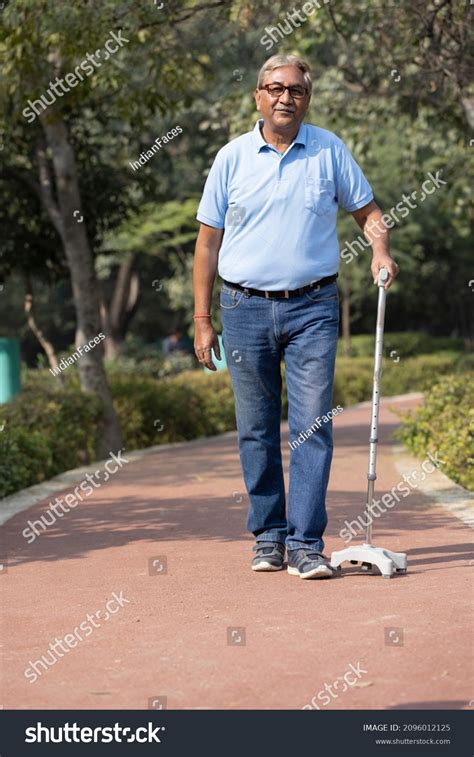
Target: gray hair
point(277, 61)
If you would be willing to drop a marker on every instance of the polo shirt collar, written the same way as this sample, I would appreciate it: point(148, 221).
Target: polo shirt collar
point(300, 139)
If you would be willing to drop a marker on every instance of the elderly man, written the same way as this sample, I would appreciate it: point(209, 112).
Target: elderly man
point(268, 224)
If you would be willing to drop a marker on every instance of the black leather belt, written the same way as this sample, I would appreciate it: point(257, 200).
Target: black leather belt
point(286, 293)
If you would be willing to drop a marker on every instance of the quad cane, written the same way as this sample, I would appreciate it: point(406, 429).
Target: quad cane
point(372, 557)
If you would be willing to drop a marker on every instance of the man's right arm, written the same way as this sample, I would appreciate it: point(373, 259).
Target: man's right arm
point(206, 256)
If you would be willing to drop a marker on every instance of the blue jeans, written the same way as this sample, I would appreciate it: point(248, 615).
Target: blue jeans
point(257, 334)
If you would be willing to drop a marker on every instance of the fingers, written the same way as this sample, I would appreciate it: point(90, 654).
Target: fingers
point(204, 355)
point(205, 341)
point(375, 268)
point(393, 270)
point(391, 267)
point(217, 349)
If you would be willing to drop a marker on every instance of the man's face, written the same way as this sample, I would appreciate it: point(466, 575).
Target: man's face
point(283, 112)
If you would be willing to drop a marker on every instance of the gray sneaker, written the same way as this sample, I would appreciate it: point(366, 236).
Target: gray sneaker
point(269, 555)
point(307, 563)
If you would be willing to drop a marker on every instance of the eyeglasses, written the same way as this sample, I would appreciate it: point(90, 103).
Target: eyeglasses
point(276, 90)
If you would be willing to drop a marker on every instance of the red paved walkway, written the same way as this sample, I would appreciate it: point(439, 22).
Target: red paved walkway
point(170, 640)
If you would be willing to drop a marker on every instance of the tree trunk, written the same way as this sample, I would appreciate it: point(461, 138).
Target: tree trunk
point(346, 320)
point(31, 320)
point(65, 213)
point(122, 306)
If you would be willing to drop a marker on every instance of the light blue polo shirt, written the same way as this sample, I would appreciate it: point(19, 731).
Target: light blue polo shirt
point(279, 210)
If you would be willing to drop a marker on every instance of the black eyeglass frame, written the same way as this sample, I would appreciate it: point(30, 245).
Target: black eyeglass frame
point(277, 84)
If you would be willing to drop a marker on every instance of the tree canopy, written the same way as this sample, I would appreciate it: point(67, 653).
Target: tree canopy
point(88, 228)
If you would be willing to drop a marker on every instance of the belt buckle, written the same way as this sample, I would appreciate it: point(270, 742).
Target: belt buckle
point(316, 288)
point(268, 295)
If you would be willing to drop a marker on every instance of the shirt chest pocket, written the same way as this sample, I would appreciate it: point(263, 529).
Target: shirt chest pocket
point(320, 196)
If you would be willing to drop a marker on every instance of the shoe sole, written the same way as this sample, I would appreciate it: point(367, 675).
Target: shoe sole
point(266, 566)
point(322, 571)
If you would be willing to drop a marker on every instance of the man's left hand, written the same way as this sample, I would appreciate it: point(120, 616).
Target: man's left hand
point(387, 262)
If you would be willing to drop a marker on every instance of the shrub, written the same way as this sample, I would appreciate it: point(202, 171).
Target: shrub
point(445, 424)
point(48, 429)
point(406, 344)
point(352, 380)
point(148, 360)
point(25, 458)
point(354, 376)
point(153, 366)
point(214, 399)
point(187, 406)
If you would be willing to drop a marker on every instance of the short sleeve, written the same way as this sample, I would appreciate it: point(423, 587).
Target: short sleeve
point(213, 205)
point(353, 189)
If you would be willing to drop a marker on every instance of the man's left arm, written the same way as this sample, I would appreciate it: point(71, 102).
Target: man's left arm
point(370, 221)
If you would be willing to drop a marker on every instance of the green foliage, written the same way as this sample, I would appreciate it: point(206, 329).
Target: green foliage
point(155, 229)
point(188, 406)
point(195, 64)
point(354, 376)
point(405, 343)
point(166, 235)
point(25, 458)
point(445, 423)
point(48, 429)
point(151, 365)
point(158, 79)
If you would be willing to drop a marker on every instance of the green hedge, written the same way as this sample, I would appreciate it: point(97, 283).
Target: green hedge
point(47, 430)
point(187, 406)
point(445, 423)
point(50, 429)
point(354, 376)
point(25, 459)
point(405, 343)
